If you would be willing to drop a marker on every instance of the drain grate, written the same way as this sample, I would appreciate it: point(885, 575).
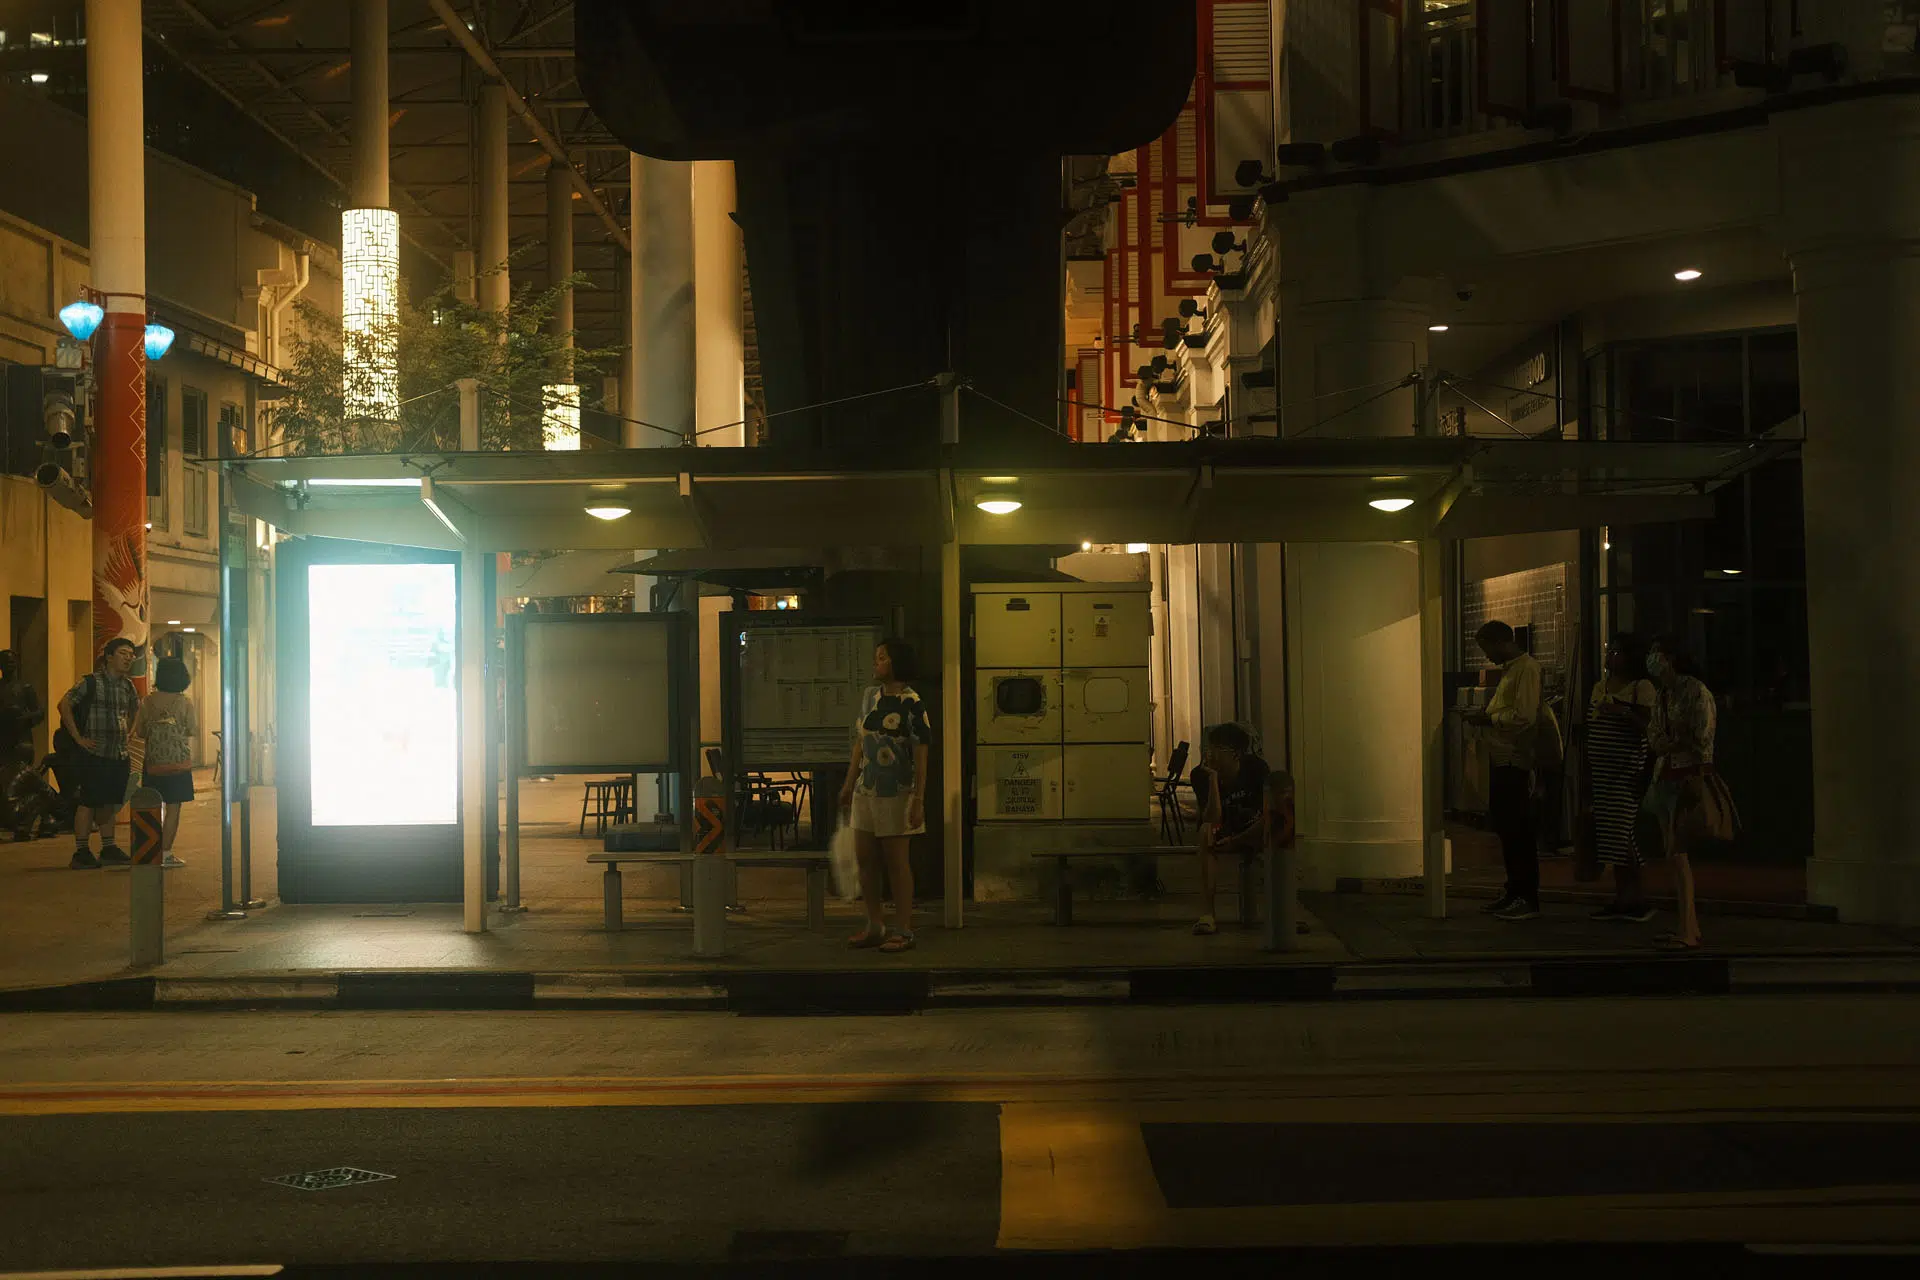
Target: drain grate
point(381, 915)
point(328, 1179)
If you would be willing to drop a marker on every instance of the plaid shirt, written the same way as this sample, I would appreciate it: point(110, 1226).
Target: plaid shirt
point(110, 715)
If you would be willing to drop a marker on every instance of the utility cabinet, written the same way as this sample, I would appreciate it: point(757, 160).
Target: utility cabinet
point(1062, 702)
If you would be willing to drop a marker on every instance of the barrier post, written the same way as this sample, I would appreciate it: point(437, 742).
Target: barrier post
point(710, 868)
point(146, 887)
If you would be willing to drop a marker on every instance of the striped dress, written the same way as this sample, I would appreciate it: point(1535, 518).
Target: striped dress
point(1617, 769)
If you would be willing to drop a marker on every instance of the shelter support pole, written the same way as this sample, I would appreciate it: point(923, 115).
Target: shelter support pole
point(511, 770)
point(232, 740)
point(953, 822)
point(1433, 738)
point(473, 632)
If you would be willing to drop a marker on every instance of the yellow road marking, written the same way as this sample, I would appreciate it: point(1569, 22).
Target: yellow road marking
point(1481, 1098)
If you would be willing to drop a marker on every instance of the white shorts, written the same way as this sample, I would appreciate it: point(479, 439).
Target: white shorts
point(884, 816)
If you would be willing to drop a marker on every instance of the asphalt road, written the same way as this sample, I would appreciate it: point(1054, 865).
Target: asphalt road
point(995, 1136)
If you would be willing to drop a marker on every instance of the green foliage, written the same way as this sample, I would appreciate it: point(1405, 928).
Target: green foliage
point(438, 341)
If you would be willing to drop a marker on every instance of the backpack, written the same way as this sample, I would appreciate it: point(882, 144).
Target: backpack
point(63, 743)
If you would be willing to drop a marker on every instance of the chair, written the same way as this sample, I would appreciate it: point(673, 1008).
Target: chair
point(759, 803)
point(1173, 823)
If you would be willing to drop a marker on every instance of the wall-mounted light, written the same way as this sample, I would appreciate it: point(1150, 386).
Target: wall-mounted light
point(1002, 498)
point(1390, 505)
point(1686, 274)
point(82, 318)
point(609, 511)
point(159, 338)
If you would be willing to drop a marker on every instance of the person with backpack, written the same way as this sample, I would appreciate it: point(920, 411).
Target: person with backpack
point(97, 718)
point(169, 726)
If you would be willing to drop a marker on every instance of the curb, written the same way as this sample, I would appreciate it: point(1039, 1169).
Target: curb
point(1592, 897)
point(794, 993)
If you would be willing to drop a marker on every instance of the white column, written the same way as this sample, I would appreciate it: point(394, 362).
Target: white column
point(561, 427)
point(474, 639)
point(370, 232)
point(1851, 177)
point(494, 287)
point(1358, 668)
point(662, 301)
point(720, 369)
point(116, 155)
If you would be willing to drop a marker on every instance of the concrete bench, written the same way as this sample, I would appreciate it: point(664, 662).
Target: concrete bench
point(817, 866)
point(1281, 909)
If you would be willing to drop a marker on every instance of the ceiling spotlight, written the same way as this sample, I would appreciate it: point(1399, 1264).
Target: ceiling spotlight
point(1436, 328)
point(1689, 273)
point(609, 512)
point(1390, 505)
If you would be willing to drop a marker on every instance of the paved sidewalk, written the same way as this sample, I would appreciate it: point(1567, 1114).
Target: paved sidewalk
point(59, 926)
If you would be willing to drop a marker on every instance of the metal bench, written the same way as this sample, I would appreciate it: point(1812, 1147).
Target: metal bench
point(817, 866)
point(1280, 915)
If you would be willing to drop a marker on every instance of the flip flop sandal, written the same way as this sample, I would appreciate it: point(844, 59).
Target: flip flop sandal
point(1673, 942)
point(896, 943)
point(867, 939)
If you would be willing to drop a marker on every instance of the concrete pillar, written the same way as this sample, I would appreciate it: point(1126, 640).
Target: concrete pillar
point(560, 259)
point(117, 246)
point(368, 44)
point(661, 361)
point(370, 233)
point(720, 369)
point(1851, 226)
point(1359, 667)
point(494, 287)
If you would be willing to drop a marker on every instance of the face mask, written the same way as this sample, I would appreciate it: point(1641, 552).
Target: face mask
point(1659, 666)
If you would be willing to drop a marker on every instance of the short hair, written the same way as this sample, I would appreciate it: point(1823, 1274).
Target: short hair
point(901, 654)
point(1676, 649)
point(1495, 630)
point(9, 662)
point(118, 642)
point(1231, 736)
point(1633, 649)
point(171, 676)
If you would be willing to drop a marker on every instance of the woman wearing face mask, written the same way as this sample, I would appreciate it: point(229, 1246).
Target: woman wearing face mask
point(1688, 799)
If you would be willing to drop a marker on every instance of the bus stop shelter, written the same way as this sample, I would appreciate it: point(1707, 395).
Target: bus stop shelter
point(1417, 491)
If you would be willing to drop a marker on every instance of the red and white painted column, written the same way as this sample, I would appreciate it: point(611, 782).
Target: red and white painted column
point(117, 219)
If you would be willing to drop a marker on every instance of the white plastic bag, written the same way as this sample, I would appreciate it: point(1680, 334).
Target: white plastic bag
point(846, 863)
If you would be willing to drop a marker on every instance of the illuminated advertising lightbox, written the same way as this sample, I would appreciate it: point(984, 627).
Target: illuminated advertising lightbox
point(385, 711)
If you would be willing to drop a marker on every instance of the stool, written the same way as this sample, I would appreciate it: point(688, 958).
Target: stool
point(601, 801)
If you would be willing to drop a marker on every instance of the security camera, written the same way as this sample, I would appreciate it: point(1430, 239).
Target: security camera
point(59, 485)
point(56, 411)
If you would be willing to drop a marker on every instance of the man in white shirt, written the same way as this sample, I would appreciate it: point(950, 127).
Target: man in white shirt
point(1521, 725)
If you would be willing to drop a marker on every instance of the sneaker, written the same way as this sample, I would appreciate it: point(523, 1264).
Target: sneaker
point(1498, 905)
point(114, 856)
point(83, 860)
point(1205, 927)
point(1521, 909)
point(170, 862)
point(1637, 915)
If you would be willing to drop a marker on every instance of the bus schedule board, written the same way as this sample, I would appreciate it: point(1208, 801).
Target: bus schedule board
point(796, 688)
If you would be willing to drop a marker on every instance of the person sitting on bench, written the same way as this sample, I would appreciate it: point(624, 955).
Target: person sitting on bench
point(1231, 791)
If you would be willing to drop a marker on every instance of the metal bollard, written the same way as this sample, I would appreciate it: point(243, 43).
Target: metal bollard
point(146, 882)
point(710, 904)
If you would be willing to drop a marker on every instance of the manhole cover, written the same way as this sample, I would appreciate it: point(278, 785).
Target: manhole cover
point(328, 1179)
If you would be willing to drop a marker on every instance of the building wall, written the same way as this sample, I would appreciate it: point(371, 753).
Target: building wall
point(46, 558)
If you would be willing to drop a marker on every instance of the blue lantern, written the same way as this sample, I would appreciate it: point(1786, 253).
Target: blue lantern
point(159, 338)
point(81, 319)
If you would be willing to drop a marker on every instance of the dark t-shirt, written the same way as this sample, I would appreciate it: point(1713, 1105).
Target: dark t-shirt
point(1243, 801)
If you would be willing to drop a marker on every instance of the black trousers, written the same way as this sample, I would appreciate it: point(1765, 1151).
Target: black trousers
point(1510, 811)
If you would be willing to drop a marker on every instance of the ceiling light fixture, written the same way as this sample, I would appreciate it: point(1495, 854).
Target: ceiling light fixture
point(1390, 505)
point(1733, 573)
point(1687, 274)
point(1002, 505)
point(609, 512)
point(1437, 328)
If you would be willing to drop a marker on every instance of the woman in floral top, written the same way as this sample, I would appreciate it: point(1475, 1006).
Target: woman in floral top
point(885, 793)
point(1688, 798)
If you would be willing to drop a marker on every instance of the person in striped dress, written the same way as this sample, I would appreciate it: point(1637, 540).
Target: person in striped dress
point(1617, 768)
